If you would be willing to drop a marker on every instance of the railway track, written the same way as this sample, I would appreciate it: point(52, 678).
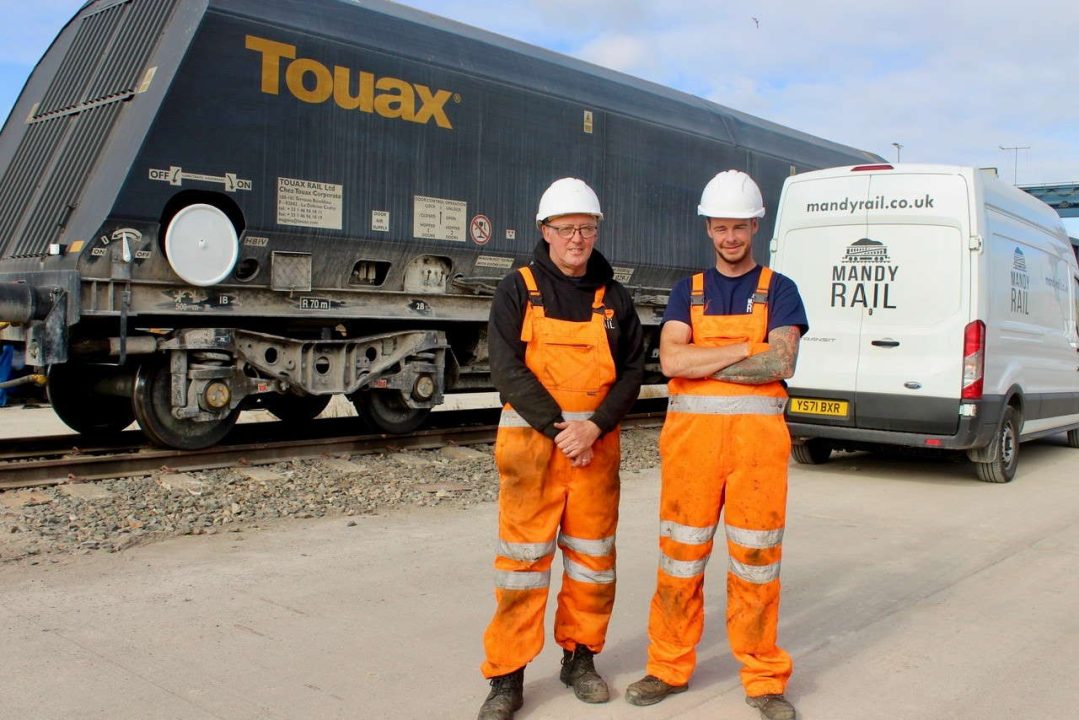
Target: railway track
point(60, 459)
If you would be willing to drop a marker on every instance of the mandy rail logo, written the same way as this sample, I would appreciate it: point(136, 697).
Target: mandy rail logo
point(310, 81)
point(865, 277)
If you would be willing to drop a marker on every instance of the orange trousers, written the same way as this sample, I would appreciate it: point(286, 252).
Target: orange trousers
point(540, 492)
point(737, 464)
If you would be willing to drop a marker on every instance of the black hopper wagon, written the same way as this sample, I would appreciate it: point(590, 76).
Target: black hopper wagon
point(207, 205)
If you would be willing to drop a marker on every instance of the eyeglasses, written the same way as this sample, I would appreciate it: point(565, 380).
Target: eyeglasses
point(567, 231)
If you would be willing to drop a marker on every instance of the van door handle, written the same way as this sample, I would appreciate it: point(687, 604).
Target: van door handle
point(885, 343)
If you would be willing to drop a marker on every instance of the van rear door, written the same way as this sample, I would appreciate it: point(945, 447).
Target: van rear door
point(883, 267)
point(815, 227)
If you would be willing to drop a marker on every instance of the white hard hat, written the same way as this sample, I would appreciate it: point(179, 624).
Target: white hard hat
point(568, 196)
point(731, 194)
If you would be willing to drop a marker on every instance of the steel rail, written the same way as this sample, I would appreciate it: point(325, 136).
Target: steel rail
point(26, 468)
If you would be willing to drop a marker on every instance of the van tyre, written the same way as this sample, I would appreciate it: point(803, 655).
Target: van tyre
point(1003, 451)
point(812, 452)
point(1073, 438)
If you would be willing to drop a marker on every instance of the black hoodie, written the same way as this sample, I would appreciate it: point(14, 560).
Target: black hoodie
point(564, 298)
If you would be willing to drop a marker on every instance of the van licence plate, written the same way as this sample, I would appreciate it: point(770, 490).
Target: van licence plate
point(816, 406)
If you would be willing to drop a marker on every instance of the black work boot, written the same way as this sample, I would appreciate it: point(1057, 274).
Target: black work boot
point(772, 707)
point(579, 673)
point(649, 690)
point(506, 696)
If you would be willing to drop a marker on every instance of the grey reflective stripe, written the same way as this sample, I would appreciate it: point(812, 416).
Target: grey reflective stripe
point(512, 418)
point(686, 534)
point(682, 568)
point(510, 580)
point(756, 574)
point(578, 416)
point(754, 538)
point(596, 548)
point(525, 552)
point(580, 573)
point(726, 404)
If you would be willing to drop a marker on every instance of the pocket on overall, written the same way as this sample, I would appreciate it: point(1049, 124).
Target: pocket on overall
point(719, 339)
point(572, 367)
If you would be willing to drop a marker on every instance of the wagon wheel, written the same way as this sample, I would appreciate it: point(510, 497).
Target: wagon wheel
point(153, 410)
point(386, 411)
point(73, 392)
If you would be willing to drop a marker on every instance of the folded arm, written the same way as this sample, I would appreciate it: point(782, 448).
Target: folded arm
point(679, 357)
point(776, 363)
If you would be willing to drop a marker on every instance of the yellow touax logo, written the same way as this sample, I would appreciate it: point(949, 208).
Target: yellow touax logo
point(312, 82)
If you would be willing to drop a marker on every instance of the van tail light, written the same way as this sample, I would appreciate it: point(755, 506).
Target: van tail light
point(863, 168)
point(973, 360)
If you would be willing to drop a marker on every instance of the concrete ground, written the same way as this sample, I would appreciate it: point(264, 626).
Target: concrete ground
point(911, 591)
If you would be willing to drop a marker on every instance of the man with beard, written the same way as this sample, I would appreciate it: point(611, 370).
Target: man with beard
point(567, 359)
point(730, 336)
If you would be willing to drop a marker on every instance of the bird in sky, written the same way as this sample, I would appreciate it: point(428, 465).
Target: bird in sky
point(756, 22)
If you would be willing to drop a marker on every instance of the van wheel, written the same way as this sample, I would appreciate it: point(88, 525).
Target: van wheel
point(812, 452)
point(1073, 438)
point(1003, 451)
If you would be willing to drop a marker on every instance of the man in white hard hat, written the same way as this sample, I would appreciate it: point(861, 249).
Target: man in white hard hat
point(567, 358)
point(730, 336)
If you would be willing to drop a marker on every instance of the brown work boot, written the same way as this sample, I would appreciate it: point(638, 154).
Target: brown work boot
point(649, 690)
point(506, 696)
point(579, 673)
point(772, 707)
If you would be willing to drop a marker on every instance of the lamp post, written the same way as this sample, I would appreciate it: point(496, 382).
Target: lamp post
point(1015, 167)
point(898, 151)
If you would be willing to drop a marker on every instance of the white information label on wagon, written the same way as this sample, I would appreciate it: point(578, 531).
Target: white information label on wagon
point(380, 220)
point(494, 261)
point(307, 203)
point(439, 219)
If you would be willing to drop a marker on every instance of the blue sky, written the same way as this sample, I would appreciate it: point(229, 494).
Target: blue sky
point(950, 82)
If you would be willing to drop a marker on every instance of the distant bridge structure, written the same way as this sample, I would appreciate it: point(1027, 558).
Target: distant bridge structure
point(1062, 197)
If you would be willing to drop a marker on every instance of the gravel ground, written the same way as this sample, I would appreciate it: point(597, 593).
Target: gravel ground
point(53, 523)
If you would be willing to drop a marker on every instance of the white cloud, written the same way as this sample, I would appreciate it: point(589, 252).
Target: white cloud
point(618, 52)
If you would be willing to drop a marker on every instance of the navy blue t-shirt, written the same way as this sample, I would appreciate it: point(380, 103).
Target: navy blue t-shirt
point(730, 296)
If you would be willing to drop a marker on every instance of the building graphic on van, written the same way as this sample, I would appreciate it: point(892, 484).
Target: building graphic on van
point(1019, 261)
point(866, 251)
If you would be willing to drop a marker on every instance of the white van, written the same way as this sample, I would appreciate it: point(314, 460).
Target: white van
point(943, 306)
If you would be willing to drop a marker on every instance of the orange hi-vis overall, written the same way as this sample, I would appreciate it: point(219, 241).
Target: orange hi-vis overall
point(723, 445)
point(540, 490)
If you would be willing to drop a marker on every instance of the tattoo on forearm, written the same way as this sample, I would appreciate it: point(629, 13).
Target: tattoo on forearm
point(774, 364)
